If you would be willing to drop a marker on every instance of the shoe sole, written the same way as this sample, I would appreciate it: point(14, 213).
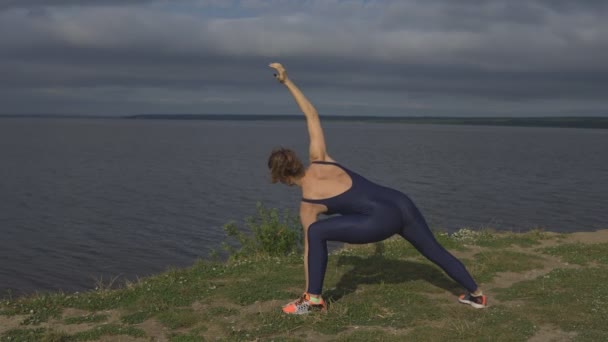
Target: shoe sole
point(306, 312)
point(315, 308)
point(473, 304)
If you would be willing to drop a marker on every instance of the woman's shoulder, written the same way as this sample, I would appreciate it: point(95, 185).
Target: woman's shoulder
point(330, 159)
point(326, 159)
point(324, 169)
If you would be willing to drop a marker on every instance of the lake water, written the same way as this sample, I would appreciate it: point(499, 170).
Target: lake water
point(89, 199)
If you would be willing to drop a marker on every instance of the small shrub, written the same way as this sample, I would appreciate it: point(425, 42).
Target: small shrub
point(271, 234)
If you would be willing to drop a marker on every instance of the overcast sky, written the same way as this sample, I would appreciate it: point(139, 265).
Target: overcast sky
point(357, 57)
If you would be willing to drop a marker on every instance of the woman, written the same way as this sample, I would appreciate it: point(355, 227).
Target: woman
point(369, 212)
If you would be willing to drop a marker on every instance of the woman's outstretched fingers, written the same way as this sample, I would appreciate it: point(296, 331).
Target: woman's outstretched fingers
point(276, 66)
point(281, 74)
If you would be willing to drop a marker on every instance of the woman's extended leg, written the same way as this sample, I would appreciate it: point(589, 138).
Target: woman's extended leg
point(421, 237)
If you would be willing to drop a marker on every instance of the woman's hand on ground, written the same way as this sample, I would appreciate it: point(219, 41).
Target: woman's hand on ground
point(281, 74)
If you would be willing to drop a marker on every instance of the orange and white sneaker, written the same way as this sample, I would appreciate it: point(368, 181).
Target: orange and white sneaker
point(478, 302)
point(303, 306)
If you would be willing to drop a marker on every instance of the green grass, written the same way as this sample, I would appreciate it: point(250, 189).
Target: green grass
point(385, 291)
point(496, 323)
point(220, 311)
point(107, 330)
point(91, 318)
point(178, 318)
point(490, 238)
point(372, 335)
point(581, 254)
point(357, 271)
point(489, 263)
point(527, 239)
point(399, 248)
point(135, 317)
point(186, 338)
point(38, 308)
point(24, 335)
point(388, 306)
point(194, 335)
point(576, 300)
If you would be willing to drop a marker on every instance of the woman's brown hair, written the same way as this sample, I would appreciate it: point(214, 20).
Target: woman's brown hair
point(284, 164)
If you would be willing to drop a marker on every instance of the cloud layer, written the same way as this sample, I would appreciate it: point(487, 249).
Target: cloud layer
point(536, 57)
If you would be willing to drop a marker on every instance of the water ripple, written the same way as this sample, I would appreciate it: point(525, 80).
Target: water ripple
point(92, 199)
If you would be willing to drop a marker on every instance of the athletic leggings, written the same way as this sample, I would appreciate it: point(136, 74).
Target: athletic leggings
point(372, 213)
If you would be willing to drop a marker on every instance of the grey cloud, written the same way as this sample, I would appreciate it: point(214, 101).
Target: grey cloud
point(33, 4)
point(506, 51)
point(499, 46)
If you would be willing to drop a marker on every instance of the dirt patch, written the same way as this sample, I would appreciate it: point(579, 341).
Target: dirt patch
point(127, 339)
point(67, 328)
point(10, 322)
point(311, 335)
point(244, 321)
point(213, 331)
point(59, 325)
point(217, 302)
point(215, 326)
point(71, 312)
point(549, 333)
point(261, 307)
point(154, 329)
point(600, 236)
point(552, 242)
point(446, 296)
point(469, 253)
point(508, 279)
point(114, 316)
point(308, 335)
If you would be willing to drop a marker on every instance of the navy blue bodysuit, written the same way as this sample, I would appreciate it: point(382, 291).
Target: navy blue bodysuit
point(371, 213)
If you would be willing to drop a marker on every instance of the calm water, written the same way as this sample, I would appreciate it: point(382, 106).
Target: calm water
point(82, 199)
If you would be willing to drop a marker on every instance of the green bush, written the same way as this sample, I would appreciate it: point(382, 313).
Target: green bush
point(269, 234)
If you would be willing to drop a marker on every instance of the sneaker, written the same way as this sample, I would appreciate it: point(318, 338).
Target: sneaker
point(478, 302)
point(303, 306)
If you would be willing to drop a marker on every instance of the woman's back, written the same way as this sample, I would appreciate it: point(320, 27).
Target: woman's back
point(324, 180)
point(349, 192)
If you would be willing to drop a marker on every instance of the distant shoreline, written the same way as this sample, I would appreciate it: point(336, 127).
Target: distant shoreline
point(572, 122)
point(554, 121)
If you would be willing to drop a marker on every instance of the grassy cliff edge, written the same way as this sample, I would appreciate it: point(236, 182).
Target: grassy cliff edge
point(541, 287)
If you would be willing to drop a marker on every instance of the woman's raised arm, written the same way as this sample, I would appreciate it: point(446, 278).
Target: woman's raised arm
point(317, 148)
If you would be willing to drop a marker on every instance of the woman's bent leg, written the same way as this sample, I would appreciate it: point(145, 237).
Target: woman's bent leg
point(355, 229)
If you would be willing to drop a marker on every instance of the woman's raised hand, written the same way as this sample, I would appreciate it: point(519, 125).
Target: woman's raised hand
point(281, 74)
